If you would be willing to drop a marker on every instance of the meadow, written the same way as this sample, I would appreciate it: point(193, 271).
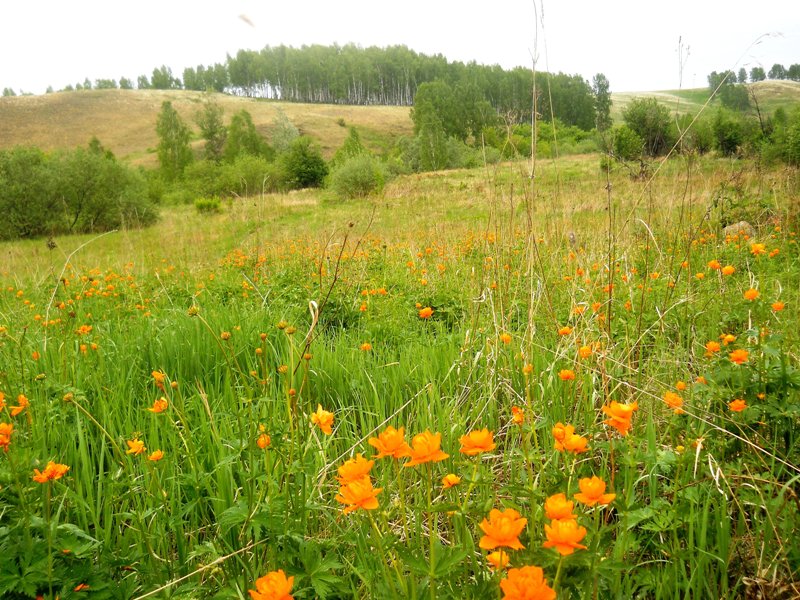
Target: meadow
point(480, 384)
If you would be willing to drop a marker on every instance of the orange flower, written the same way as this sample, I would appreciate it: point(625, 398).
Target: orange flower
point(751, 294)
point(502, 530)
point(155, 456)
point(6, 429)
point(714, 264)
point(358, 494)
point(757, 249)
point(620, 415)
point(505, 338)
point(564, 536)
point(51, 472)
point(526, 583)
point(557, 507)
point(527, 369)
point(273, 586)
point(673, 400)
point(585, 351)
point(680, 386)
point(727, 338)
point(135, 447)
point(728, 270)
point(81, 587)
point(593, 491)
point(323, 419)
point(476, 442)
point(159, 378)
point(366, 347)
point(739, 356)
point(566, 375)
point(450, 480)
point(497, 560)
point(22, 404)
point(567, 439)
point(354, 469)
point(426, 447)
point(159, 405)
point(517, 415)
point(264, 441)
point(737, 405)
point(425, 313)
point(778, 306)
point(391, 442)
point(566, 330)
point(2, 400)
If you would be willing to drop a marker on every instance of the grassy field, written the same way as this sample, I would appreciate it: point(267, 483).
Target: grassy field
point(222, 387)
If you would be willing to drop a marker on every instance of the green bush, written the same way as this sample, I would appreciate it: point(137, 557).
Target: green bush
point(207, 206)
point(628, 145)
point(358, 177)
point(303, 164)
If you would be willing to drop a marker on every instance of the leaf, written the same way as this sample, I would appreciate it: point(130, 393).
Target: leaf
point(417, 564)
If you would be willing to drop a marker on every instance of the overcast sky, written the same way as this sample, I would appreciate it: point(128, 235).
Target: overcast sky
point(635, 43)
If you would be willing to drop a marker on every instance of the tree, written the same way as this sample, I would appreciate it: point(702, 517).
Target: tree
point(105, 84)
point(435, 101)
point(602, 102)
point(793, 72)
point(283, 132)
point(143, 83)
point(728, 132)
point(244, 139)
point(742, 75)
point(163, 80)
point(777, 72)
point(351, 147)
point(125, 83)
point(8, 92)
point(757, 74)
point(87, 85)
point(212, 130)
point(304, 164)
point(174, 152)
point(651, 122)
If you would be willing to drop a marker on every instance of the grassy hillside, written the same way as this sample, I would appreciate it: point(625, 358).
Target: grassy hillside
point(770, 95)
point(124, 120)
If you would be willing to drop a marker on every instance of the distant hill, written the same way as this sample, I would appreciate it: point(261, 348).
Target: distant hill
point(770, 94)
point(125, 120)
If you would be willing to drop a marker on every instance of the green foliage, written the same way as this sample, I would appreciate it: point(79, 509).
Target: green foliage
point(208, 206)
point(627, 144)
point(757, 74)
point(351, 147)
point(728, 132)
point(212, 130)
point(27, 201)
point(651, 121)
point(436, 107)
point(303, 164)
point(358, 176)
point(243, 138)
point(283, 132)
point(602, 102)
point(8, 92)
point(698, 136)
point(125, 83)
point(246, 175)
point(174, 153)
point(164, 80)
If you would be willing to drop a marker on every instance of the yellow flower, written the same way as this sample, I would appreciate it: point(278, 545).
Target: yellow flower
point(135, 447)
point(263, 441)
point(674, 401)
point(323, 419)
point(159, 406)
point(155, 456)
point(51, 472)
point(728, 270)
point(620, 415)
point(557, 507)
point(566, 375)
point(366, 347)
point(477, 442)
point(450, 480)
point(505, 338)
point(498, 560)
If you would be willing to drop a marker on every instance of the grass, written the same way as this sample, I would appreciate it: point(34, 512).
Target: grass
point(213, 313)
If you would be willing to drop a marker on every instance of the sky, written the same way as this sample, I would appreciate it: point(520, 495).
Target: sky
point(639, 45)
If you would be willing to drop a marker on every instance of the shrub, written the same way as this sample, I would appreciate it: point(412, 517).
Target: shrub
point(303, 164)
point(628, 145)
point(358, 177)
point(207, 206)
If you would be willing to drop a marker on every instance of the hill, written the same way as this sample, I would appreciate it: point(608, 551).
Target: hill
point(770, 94)
point(124, 120)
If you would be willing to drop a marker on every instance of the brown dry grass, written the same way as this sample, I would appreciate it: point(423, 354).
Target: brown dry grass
point(124, 120)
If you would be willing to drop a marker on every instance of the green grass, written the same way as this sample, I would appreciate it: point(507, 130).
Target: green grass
point(705, 501)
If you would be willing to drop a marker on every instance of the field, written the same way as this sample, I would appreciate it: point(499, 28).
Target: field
point(393, 398)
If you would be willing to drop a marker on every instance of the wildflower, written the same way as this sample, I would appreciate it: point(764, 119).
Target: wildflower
point(497, 560)
point(366, 347)
point(728, 270)
point(426, 448)
point(225, 336)
point(778, 306)
point(283, 369)
point(526, 583)
point(391, 442)
point(714, 264)
point(323, 419)
point(737, 405)
point(527, 369)
point(159, 406)
point(557, 507)
point(701, 380)
point(81, 587)
point(756, 249)
point(517, 415)
point(476, 442)
point(727, 338)
point(35, 355)
point(2, 400)
point(135, 447)
point(159, 378)
point(700, 275)
point(566, 330)
point(51, 472)
point(567, 439)
point(620, 416)
point(22, 404)
point(354, 469)
point(674, 401)
point(155, 456)
point(751, 294)
point(6, 429)
point(425, 313)
point(593, 491)
point(564, 536)
point(585, 351)
point(358, 494)
point(739, 356)
point(505, 338)
point(566, 375)
point(450, 480)
point(502, 529)
point(680, 386)
point(273, 586)
point(264, 441)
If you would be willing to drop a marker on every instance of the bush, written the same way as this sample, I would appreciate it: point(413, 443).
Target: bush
point(303, 164)
point(358, 177)
point(628, 145)
point(208, 206)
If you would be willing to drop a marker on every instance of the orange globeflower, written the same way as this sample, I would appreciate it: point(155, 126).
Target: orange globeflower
point(323, 419)
point(620, 415)
point(354, 469)
point(751, 294)
point(358, 494)
point(714, 264)
point(727, 338)
point(593, 491)
point(757, 249)
point(476, 442)
point(426, 447)
point(505, 338)
point(739, 356)
point(2, 398)
point(6, 429)
point(502, 529)
point(273, 586)
point(526, 583)
point(264, 441)
point(673, 400)
point(566, 330)
point(737, 405)
point(564, 536)
point(450, 480)
point(557, 507)
point(391, 442)
point(22, 404)
point(366, 347)
point(497, 560)
point(155, 456)
point(566, 375)
point(159, 378)
point(728, 270)
point(425, 313)
point(135, 447)
point(51, 472)
point(778, 306)
point(517, 415)
point(159, 405)
point(585, 351)
point(567, 439)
